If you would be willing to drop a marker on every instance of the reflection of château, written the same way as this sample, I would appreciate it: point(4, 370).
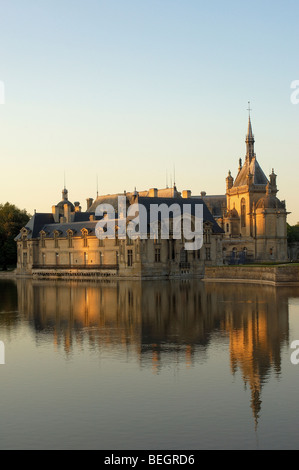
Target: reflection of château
point(166, 323)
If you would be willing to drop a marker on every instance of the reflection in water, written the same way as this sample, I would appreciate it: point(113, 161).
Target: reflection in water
point(257, 322)
point(163, 322)
point(8, 304)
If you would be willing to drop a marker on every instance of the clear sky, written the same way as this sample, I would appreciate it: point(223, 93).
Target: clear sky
point(128, 89)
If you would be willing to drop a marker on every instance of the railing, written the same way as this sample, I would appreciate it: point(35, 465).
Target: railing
point(87, 267)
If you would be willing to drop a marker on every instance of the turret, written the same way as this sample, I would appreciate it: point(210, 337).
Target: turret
point(273, 184)
point(229, 181)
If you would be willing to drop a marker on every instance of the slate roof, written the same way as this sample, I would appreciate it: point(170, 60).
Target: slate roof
point(36, 223)
point(259, 176)
point(46, 222)
point(207, 216)
point(76, 227)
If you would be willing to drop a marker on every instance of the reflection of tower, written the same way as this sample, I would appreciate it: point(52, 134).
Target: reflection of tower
point(256, 401)
point(257, 322)
point(245, 344)
point(155, 359)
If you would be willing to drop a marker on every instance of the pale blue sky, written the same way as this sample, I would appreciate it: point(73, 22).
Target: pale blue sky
point(127, 89)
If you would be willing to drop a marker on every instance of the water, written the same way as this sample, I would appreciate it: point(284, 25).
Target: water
point(148, 365)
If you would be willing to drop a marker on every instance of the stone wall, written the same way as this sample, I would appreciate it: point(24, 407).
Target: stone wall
point(274, 275)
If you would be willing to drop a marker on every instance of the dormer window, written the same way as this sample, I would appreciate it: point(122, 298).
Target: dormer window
point(24, 238)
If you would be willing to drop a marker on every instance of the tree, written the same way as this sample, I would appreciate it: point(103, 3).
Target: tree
point(12, 219)
point(293, 233)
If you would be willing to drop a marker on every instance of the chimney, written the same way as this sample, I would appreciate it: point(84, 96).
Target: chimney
point(67, 213)
point(55, 212)
point(77, 206)
point(153, 192)
point(89, 202)
point(186, 194)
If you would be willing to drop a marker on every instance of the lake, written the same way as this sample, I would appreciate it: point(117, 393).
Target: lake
point(162, 365)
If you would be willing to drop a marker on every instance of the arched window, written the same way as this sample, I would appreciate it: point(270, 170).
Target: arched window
point(243, 213)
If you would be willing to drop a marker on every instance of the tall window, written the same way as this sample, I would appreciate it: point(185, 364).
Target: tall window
point(57, 259)
point(208, 254)
point(208, 236)
point(157, 255)
point(42, 239)
point(101, 258)
point(227, 228)
point(183, 256)
point(85, 241)
point(70, 238)
point(56, 239)
point(130, 257)
point(129, 240)
point(243, 213)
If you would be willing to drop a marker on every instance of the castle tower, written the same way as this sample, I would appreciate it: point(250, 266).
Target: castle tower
point(255, 219)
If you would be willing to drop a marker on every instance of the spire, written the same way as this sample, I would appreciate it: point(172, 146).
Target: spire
point(249, 138)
